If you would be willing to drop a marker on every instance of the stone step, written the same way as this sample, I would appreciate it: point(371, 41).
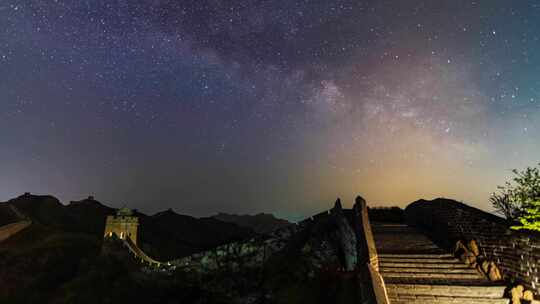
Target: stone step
point(444, 300)
point(439, 281)
point(424, 265)
point(382, 223)
point(416, 271)
point(394, 290)
point(416, 256)
point(421, 275)
point(410, 233)
point(394, 229)
point(384, 269)
point(414, 260)
point(391, 226)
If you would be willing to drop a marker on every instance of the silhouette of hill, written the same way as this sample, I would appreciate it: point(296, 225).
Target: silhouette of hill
point(386, 214)
point(165, 235)
point(260, 223)
point(43, 209)
point(90, 214)
point(202, 230)
point(168, 234)
point(58, 255)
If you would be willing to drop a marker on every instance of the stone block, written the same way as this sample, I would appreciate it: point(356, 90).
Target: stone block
point(528, 295)
point(485, 266)
point(516, 294)
point(473, 247)
point(494, 273)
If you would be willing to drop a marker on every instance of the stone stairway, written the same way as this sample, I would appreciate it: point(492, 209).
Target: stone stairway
point(416, 270)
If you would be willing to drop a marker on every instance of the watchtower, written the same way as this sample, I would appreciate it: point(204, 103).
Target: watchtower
point(123, 225)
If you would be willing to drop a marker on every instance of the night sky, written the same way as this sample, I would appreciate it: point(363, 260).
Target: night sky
point(276, 106)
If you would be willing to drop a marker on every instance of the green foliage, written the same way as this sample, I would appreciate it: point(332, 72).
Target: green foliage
point(519, 200)
point(530, 220)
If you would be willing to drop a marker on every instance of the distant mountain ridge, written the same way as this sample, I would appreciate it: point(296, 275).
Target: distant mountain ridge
point(260, 223)
point(164, 235)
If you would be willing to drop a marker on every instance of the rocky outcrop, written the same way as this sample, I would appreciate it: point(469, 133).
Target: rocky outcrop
point(346, 237)
point(469, 253)
point(520, 295)
point(249, 254)
point(330, 243)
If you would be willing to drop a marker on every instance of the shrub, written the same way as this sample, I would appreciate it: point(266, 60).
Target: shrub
point(530, 219)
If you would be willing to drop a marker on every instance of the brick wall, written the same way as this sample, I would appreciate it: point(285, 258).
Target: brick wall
point(516, 253)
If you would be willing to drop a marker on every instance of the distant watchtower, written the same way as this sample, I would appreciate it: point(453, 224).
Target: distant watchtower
point(123, 225)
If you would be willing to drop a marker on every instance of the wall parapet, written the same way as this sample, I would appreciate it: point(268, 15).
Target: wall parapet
point(361, 210)
point(135, 250)
point(515, 253)
point(371, 258)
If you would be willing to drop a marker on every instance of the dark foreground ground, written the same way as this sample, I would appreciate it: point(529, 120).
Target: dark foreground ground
point(62, 258)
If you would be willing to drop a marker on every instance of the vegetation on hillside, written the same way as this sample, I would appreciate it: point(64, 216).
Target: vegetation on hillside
point(530, 220)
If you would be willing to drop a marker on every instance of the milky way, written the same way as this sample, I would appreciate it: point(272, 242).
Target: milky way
point(275, 106)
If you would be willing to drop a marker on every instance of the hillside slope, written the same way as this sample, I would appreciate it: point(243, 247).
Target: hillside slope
point(59, 256)
point(260, 223)
point(165, 235)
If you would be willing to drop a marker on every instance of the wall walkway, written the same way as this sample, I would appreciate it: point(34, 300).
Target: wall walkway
point(515, 253)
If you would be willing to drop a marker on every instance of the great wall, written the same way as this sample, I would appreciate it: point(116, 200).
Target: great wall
point(444, 252)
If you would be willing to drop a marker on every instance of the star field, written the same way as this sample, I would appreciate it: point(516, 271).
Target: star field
point(276, 106)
